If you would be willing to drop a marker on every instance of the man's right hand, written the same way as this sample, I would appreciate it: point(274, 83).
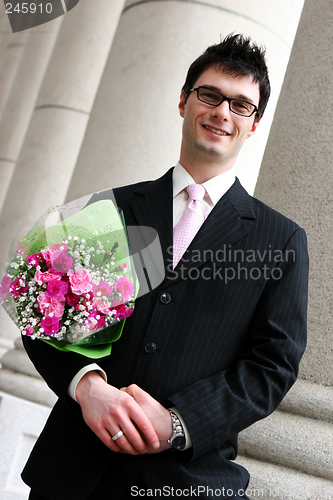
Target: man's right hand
point(107, 410)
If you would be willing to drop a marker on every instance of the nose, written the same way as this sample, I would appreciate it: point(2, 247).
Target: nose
point(222, 111)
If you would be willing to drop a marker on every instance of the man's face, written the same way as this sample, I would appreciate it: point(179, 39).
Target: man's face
point(215, 134)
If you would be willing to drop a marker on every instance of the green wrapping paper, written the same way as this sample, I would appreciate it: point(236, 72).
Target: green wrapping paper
point(86, 253)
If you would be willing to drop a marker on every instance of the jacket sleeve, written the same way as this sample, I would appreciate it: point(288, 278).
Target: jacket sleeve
point(216, 409)
point(57, 368)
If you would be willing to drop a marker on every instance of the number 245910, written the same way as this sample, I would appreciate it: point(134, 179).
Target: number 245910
point(27, 7)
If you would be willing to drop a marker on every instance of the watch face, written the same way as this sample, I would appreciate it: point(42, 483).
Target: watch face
point(178, 442)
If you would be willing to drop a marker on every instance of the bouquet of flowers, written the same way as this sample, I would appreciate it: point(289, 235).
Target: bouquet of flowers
point(70, 280)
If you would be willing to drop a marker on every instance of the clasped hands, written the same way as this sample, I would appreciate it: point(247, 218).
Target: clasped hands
point(145, 423)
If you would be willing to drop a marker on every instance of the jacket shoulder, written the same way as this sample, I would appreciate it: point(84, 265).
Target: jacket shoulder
point(268, 213)
point(262, 215)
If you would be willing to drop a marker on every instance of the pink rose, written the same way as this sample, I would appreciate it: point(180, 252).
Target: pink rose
point(4, 287)
point(35, 259)
point(50, 325)
point(57, 289)
point(47, 256)
point(102, 306)
point(80, 281)
point(125, 287)
point(29, 331)
point(61, 261)
point(48, 305)
point(47, 252)
point(116, 302)
point(103, 289)
point(71, 298)
point(47, 276)
point(123, 266)
point(95, 321)
point(122, 311)
point(18, 287)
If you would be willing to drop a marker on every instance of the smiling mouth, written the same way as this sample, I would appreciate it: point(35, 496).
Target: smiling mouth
point(215, 130)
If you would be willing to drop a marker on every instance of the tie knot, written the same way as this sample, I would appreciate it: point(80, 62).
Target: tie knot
point(196, 192)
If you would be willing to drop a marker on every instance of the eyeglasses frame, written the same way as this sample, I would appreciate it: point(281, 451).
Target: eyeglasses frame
point(224, 98)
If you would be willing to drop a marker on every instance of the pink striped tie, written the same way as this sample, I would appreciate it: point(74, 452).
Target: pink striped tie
point(190, 222)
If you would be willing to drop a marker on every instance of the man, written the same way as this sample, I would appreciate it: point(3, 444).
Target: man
point(211, 350)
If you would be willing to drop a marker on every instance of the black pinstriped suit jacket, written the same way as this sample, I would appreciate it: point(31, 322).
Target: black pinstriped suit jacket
point(228, 347)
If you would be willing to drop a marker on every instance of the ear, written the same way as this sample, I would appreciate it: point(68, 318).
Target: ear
point(253, 128)
point(182, 104)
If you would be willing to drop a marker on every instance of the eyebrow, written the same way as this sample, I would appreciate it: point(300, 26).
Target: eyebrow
point(239, 96)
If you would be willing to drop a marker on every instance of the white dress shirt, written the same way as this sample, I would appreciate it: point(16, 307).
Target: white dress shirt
point(215, 188)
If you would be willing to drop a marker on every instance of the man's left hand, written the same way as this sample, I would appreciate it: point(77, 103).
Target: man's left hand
point(157, 414)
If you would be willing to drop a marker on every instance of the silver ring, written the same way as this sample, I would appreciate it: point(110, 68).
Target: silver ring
point(120, 433)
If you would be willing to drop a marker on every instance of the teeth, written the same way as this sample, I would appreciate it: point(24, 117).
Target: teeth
point(215, 130)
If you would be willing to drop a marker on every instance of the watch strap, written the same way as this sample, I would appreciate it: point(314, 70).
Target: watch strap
point(178, 439)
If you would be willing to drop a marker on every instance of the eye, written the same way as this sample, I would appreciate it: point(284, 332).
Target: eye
point(209, 96)
point(242, 106)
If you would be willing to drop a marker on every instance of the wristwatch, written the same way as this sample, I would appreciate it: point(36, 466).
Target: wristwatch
point(177, 440)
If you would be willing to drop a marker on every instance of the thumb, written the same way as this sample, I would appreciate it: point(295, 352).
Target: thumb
point(136, 392)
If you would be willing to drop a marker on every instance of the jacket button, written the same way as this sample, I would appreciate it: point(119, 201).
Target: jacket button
point(150, 348)
point(165, 298)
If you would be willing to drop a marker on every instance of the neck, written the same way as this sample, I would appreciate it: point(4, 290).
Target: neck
point(201, 171)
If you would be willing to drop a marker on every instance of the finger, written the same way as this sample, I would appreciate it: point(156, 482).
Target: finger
point(105, 431)
point(134, 437)
point(131, 441)
point(137, 393)
point(135, 448)
point(123, 445)
point(140, 419)
point(135, 424)
point(106, 438)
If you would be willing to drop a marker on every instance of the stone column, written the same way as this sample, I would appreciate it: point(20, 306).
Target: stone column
point(296, 179)
point(296, 174)
point(11, 49)
point(135, 129)
point(22, 97)
point(51, 146)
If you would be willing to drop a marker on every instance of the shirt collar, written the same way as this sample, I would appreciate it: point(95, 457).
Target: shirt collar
point(215, 187)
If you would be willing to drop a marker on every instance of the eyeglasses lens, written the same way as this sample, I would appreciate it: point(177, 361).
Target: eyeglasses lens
point(215, 99)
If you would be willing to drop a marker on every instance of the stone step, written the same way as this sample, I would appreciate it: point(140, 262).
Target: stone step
point(26, 387)
point(19, 344)
point(5, 345)
point(17, 360)
point(291, 440)
point(270, 481)
point(309, 400)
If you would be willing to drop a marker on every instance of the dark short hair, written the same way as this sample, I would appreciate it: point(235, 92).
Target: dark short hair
point(235, 55)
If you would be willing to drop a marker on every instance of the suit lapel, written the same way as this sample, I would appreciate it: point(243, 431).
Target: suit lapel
point(225, 225)
point(152, 207)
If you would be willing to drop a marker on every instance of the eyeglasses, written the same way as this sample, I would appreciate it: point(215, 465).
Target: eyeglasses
point(214, 98)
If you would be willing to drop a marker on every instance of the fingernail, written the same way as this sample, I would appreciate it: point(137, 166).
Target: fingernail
point(156, 445)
